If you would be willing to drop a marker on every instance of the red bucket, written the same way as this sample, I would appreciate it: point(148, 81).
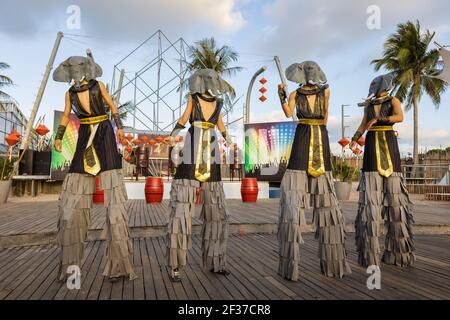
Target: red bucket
point(154, 190)
point(99, 195)
point(249, 189)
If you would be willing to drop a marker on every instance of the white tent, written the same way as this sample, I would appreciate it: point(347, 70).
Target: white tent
point(445, 73)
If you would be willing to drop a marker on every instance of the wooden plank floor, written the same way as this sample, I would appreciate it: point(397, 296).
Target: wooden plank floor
point(41, 216)
point(30, 273)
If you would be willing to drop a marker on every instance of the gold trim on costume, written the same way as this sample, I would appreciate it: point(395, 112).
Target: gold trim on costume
point(316, 154)
point(312, 122)
point(204, 126)
point(91, 163)
point(384, 161)
point(381, 128)
point(94, 120)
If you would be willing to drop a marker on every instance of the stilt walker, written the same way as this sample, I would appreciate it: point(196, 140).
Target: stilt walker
point(308, 181)
point(200, 166)
point(96, 154)
point(382, 190)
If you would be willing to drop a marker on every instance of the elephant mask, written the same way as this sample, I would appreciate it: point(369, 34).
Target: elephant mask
point(378, 85)
point(207, 81)
point(75, 69)
point(307, 72)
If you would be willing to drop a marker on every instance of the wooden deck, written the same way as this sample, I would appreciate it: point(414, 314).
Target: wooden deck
point(30, 273)
point(34, 222)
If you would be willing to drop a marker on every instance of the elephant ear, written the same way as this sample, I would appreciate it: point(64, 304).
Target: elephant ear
point(196, 83)
point(387, 82)
point(61, 73)
point(93, 70)
point(223, 86)
point(322, 77)
point(295, 73)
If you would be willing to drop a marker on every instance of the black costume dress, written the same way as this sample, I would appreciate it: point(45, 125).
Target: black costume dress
point(75, 201)
point(383, 195)
point(307, 182)
point(200, 166)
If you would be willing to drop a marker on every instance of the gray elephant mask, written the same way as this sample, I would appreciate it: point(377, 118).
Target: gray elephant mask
point(75, 69)
point(207, 81)
point(378, 85)
point(307, 72)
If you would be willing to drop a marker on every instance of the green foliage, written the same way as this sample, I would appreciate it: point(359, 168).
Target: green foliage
point(343, 172)
point(6, 168)
point(4, 81)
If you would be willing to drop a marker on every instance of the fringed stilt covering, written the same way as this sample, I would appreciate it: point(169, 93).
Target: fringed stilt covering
point(119, 248)
point(75, 203)
point(386, 198)
point(215, 226)
point(299, 191)
point(179, 227)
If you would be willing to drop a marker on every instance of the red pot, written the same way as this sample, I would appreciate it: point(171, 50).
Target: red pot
point(99, 195)
point(154, 189)
point(249, 189)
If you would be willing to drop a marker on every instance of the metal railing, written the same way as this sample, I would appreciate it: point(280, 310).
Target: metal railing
point(427, 174)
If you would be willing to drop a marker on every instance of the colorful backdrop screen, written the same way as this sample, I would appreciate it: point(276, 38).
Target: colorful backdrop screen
point(61, 160)
point(267, 149)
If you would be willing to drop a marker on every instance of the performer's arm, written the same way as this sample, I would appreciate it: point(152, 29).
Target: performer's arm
point(114, 110)
point(360, 131)
point(327, 100)
point(288, 106)
point(63, 124)
point(223, 130)
point(181, 122)
point(397, 112)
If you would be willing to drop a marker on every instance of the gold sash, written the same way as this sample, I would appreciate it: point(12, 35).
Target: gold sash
point(316, 163)
point(384, 161)
point(91, 162)
point(203, 170)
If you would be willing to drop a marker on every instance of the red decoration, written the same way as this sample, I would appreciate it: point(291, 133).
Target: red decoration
point(15, 132)
point(144, 139)
point(127, 159)
point(42, 130)
point(159, 139)
point(357, 151)
point(129, 137)
point(12, 139)
point(361, 141)
point(137, 142)
point(124, 142)
point(263, 81)
point(128, 149)
point(344, 142)
point(262, 98)
point(151, 142)
point(263, 90)
point(178, 138)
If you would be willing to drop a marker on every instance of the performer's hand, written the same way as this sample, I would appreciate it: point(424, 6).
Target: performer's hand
point(169, 140)
point(353, 145)
point(371, 123)
point(120, 134)
point(58, 145)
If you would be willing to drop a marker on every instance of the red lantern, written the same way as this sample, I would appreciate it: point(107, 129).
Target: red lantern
point(151, 142)
point(128, 149)
point(124, 142)
point(127, 159)
point(42, 130)
point(137, 142)
point(144, 139)
point(357, 151)
point(15, 132)
point(361, 141)
point(262, 98)
point(159, 139)
point(344, 142)
point(263, 81)
point(129, 137)
point(12, 139)
point(263, 90)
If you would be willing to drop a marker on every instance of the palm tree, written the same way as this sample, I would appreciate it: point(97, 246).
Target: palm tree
point(407, 54)
point(207, 54)
point(4, 81)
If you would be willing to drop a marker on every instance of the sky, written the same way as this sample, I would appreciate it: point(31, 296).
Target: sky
point(342, 36)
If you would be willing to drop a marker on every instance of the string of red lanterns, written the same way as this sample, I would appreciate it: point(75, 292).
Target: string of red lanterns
point(263, 89)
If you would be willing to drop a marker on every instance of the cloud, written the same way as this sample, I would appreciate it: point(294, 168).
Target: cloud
point(131, 19)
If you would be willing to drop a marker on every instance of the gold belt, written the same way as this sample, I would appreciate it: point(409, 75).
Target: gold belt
point(381, 128)
point(201, 174)
point(203, 124)
point(312, 122)
point(94, 120)
point(384, 160)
